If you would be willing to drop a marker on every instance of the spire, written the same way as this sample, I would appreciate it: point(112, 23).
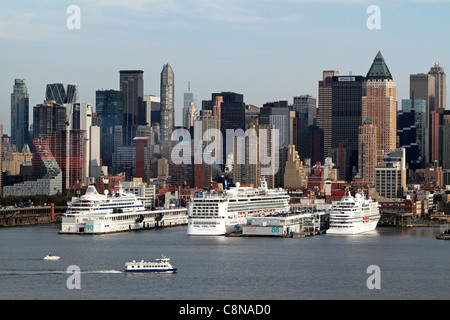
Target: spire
point(379, 69)
point(367, 121)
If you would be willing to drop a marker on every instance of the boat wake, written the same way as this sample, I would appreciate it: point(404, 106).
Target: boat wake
point(103, 271)
point(43, 272)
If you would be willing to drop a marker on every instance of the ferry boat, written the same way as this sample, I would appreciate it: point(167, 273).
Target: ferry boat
point(161, 265)
point(217, 213)
point(353, 215)
point(95, 213)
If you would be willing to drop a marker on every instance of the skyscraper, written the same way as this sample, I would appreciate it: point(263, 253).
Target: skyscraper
point(380, 105)
point(132, 87)
point(189, 97)
point(151, 103)
point(324, 108)
point(346, 117)
point(55, 92)
point(248, 165)
point(20, 115)
point(48, 117)
point(413, 114)
point(1, 157)
point(277, 114)
point(367, 151)
point(440, 86)
point(109, 107)
point(58, 93)
point(423, 86)
point(306, 105)
point(80, 118)
point(167, 102)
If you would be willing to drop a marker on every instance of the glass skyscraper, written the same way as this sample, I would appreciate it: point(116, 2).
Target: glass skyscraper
point(132, 87)
point(20, 115)
point(109, 107)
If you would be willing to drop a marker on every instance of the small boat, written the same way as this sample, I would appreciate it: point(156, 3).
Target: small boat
point(159, 265)
point(51, 257)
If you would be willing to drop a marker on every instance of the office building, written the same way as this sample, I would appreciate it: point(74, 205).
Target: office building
point(124, 161)
point(446, 140)
point(311, 144)
point(151, 103)
point(324, 110)
point(80, 117)
point(407, 138)
point(347, 92)
point(189, 98)
point(306, 106)
point(423, 86)
point(132, 88)
point(13, 160)
point(255, 155)
point(231, 112)
point(367, 151)
point(48, 117)
point(142, 147)
point(417, 109)
point(380, 105)
point(440, 86)
point(167, 102)
point(390, 175)
point(109, 107)
point(141, 190)
point(58, 93)
point(277, 114)
point(20, 115)
point(294, 173)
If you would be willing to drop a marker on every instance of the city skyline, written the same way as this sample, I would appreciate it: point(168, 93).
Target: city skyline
point(267, 51)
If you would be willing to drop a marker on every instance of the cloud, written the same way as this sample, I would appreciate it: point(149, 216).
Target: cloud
point(25, 25)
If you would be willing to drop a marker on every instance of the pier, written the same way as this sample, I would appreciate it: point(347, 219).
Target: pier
point(14, 217)
point(285, 225)
point(301, 234)
point(107, 224)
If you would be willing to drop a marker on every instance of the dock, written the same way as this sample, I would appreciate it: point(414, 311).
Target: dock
point(301, 234)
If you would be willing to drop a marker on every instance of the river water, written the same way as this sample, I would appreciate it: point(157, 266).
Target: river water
point(412, 264)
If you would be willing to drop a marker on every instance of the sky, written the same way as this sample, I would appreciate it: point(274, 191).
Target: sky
point(267, 50)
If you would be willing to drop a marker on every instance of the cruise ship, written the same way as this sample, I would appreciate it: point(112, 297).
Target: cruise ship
point(217, 213)
point(353, 215)
point(95, 213)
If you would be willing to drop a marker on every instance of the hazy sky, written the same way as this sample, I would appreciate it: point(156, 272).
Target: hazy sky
point(267, 50)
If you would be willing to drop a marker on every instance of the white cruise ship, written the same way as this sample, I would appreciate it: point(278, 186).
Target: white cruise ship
point(353, 215)
point(95, 213)
point(215, 214)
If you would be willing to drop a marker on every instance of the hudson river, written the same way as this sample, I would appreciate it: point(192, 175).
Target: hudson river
point(412, 264)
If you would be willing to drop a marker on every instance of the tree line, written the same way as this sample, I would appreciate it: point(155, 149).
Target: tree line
point(37, 200)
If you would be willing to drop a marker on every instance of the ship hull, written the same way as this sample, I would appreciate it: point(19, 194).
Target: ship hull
point(197, 227)
point(354, 228)
point(152, 271)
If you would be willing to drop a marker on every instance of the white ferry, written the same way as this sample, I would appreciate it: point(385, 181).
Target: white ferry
point(215, 214)
point(95, 213)
point(159, 265)
point(353, 215)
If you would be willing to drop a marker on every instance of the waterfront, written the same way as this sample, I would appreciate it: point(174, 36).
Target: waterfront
point(413, 265)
